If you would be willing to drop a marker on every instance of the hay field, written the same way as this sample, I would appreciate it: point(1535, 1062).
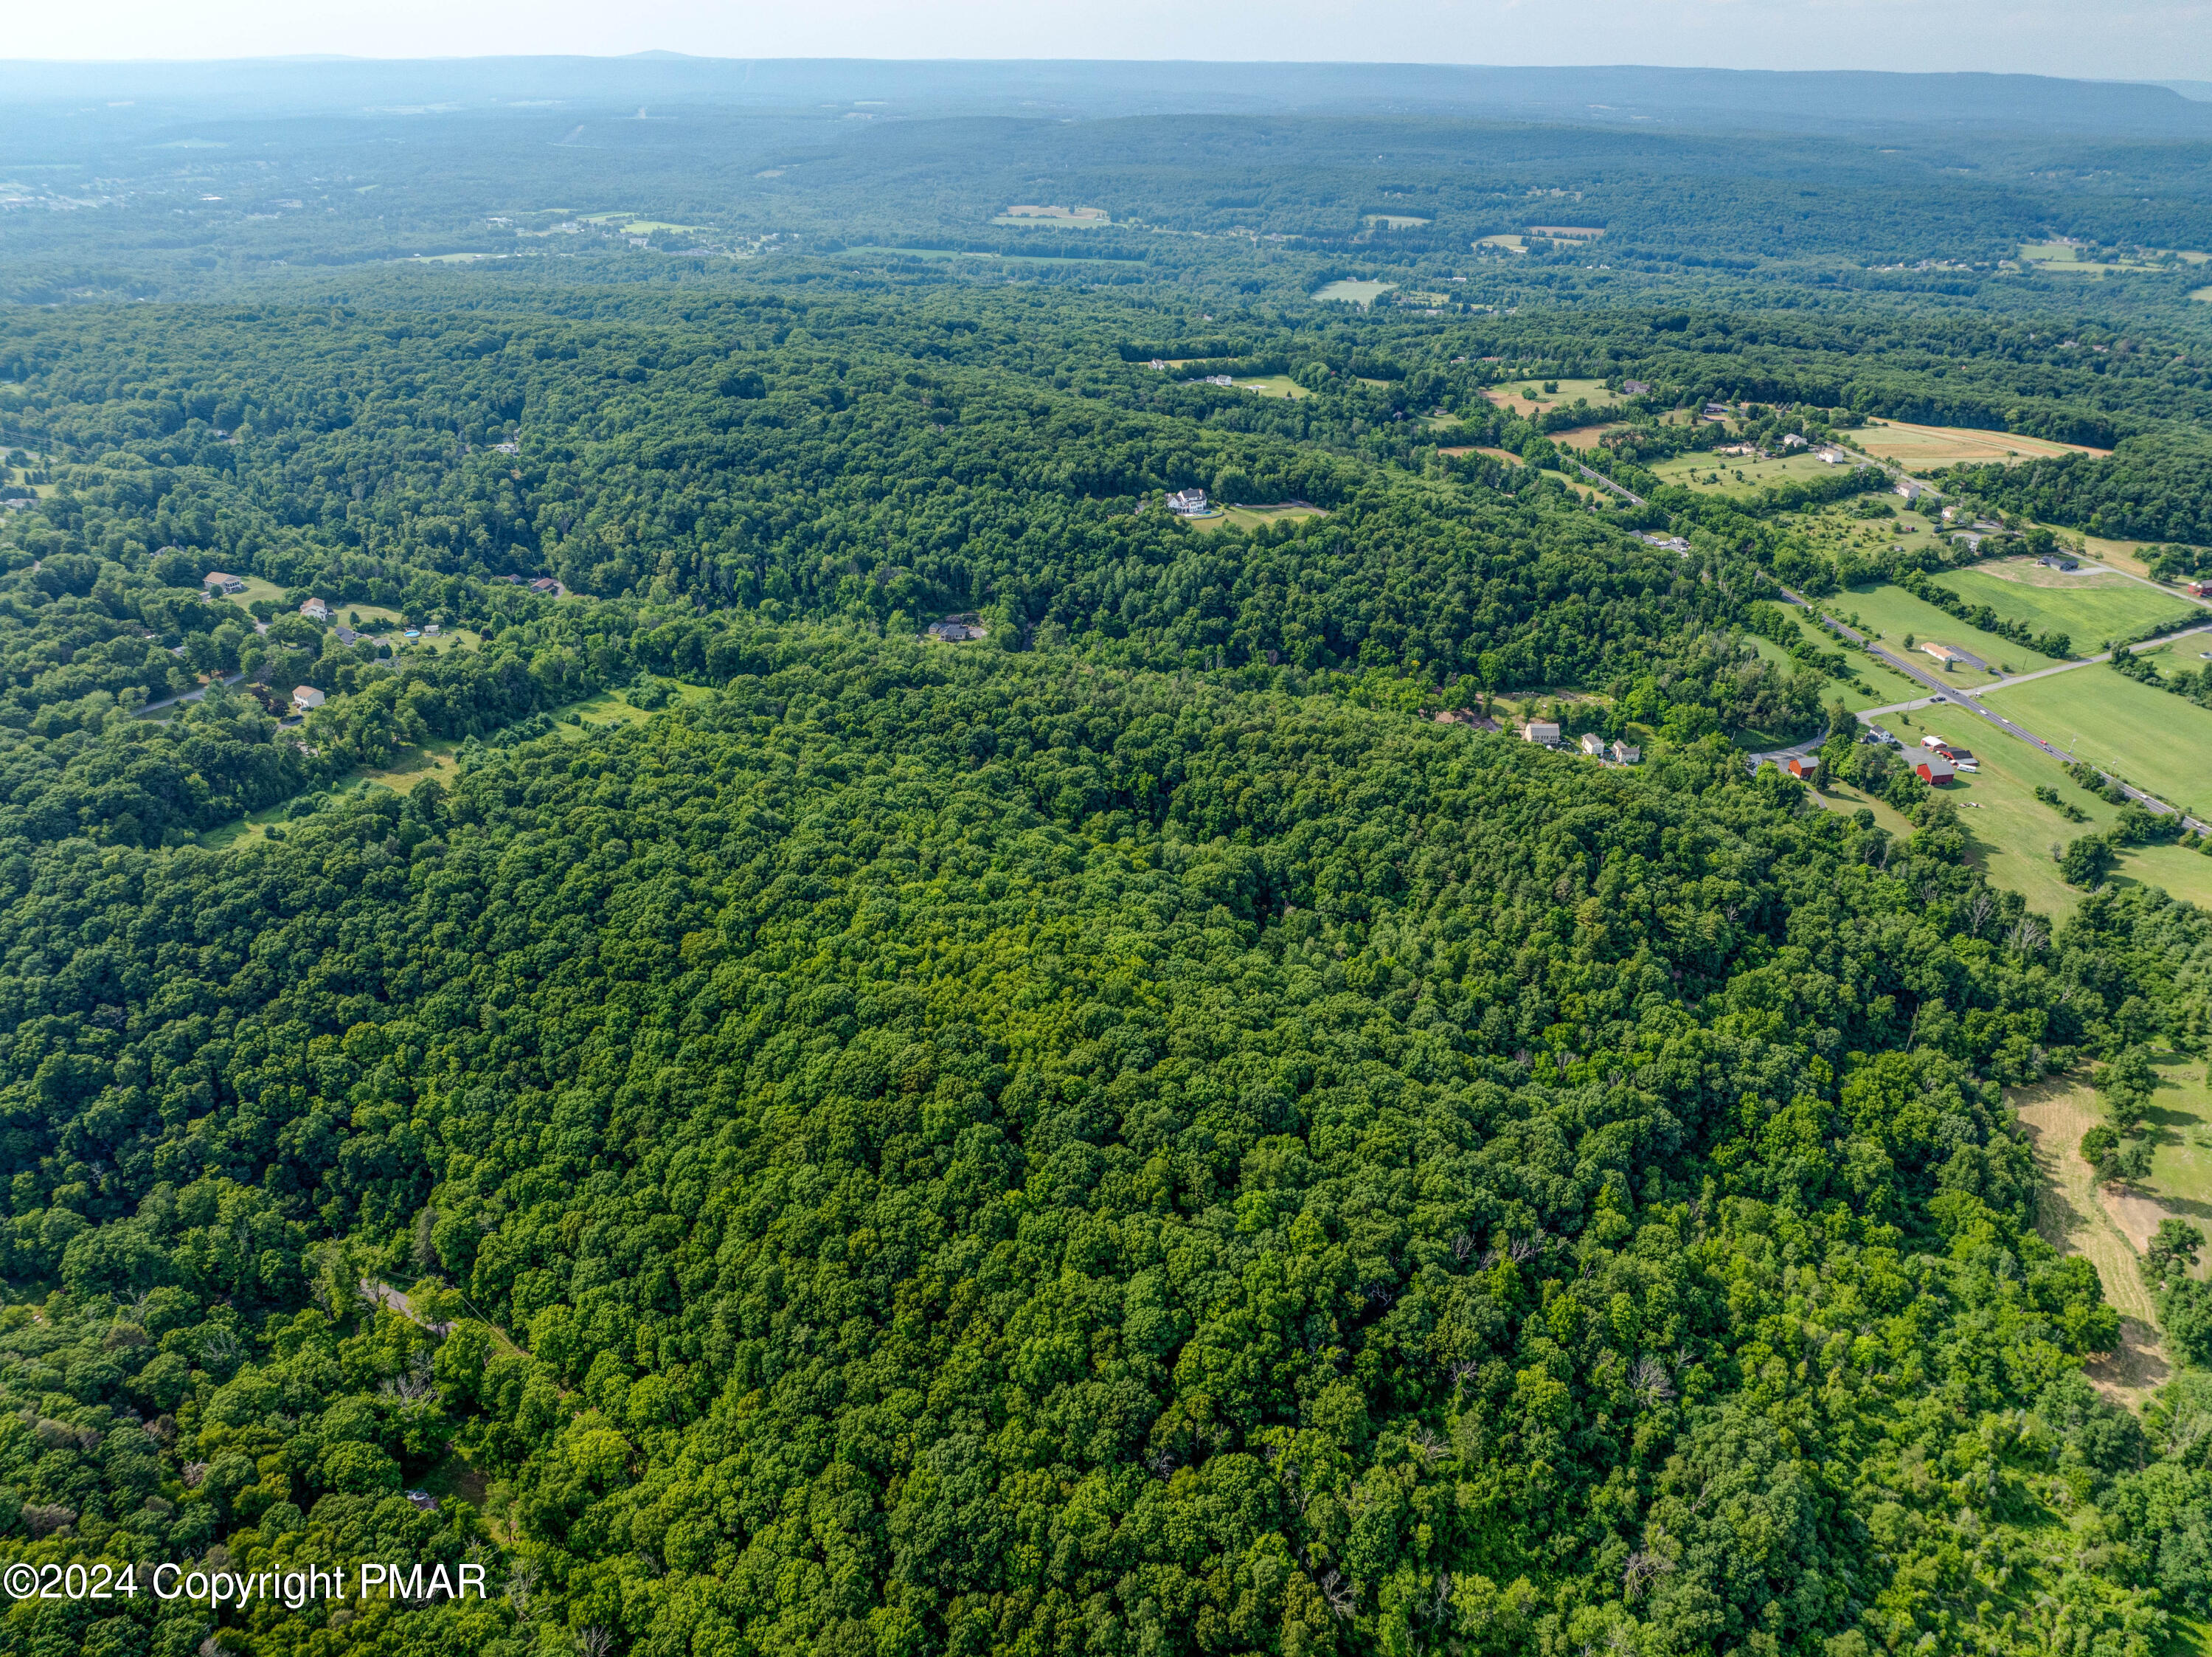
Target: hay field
point(1916, 447)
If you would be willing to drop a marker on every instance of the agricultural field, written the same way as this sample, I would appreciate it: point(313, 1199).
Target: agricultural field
point(2092, 605)
point(1528, 398)
point(1064, 218)
point(2151, 738)
point(1737, 474)
point(1920, 447)
point(1356, 293)
point(1891, 615)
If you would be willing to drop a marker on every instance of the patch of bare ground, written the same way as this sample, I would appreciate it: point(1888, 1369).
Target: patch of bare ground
point(2076, 1217)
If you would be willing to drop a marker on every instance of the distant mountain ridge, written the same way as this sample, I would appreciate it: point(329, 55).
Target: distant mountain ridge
point(1789, 99)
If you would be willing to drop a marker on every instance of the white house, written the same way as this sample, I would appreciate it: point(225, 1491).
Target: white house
point(1593, 745)
point(1540, 730)
point(1626, 753)
point(307, 696)
point(315, 610)
point(220, 580)
point(1187, 501)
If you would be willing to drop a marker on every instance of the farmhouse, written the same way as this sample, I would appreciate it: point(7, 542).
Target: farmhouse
point(220, 582)
point(305, 697)
point(1188, 503)
point(1540, 730)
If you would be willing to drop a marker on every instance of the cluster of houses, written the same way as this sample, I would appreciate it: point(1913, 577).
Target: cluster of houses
point(1546, 733)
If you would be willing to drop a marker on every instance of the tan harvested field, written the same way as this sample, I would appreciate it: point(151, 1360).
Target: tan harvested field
point(1581, 436)
point(1914, 446)
point(2074, 1217)
point(1504, 454)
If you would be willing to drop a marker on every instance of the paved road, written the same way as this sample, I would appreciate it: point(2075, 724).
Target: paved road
point(189, 696)
point(1604, 482)
point(2068, 666)
point(1971, 702)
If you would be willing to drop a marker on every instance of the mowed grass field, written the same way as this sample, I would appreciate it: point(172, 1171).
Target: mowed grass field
point(2010, 832)
point(1358, 293)
point(1893, 613)
point(1917, 447)
point(2154, 739)
point(1252, 517)
point(1514, 395)
point(1274, 384)
point(1693, 470)
point(1876, 685)
point(2090, 606)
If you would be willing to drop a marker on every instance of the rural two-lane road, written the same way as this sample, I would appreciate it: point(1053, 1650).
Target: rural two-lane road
point(1971, 702)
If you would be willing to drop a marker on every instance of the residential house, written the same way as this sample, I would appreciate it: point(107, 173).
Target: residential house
point(1805, 767)
point(1829, 455)
point(546, 584)
point(1932, 768)
point(1716, 411)
point(1593, 745)
point(1220, 380)
point(957, 630)
point(315, 610)
point(1186, 503)
point(430, 630)
point(423, 1502)
point(1913, 489)
point(1664, 543)
point(222, 581)
point(1635, 387)
point(1791, 440)
point(509, 448)
point(1626, 753)
point(1157, 362)
point(345, 635)
point(1540, 730)
point(307, 696)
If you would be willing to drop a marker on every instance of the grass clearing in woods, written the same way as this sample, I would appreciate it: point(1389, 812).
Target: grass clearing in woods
point(2090, 612)
point(2151, 738)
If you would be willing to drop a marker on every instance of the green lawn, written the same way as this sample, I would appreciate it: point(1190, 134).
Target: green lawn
point(2155, 738)
point(1248, 517)
point(1876, 685)
point(255, 588)
point(2180, 1119)
point(1692, 470)
point(1358, 293)
point(1893, 613)
point(1274, 384)
point(2092, 612)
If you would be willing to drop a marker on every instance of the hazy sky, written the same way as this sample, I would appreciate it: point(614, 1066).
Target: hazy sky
point(2141, 39)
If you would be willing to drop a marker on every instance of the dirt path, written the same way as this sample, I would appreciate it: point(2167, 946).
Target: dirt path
point(2076, 1217)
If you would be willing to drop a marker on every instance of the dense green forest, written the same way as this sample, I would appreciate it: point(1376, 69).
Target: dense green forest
point(748, 1128)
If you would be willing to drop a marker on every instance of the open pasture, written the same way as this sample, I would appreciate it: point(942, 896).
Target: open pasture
point(1062, 219)
point(1891, 615)
point(1917, 447)
point(1356, 293)
point(1255, 517)
point(1737, 474)
point(1528, 398)
point(2151, 738)
point(2090, 611)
